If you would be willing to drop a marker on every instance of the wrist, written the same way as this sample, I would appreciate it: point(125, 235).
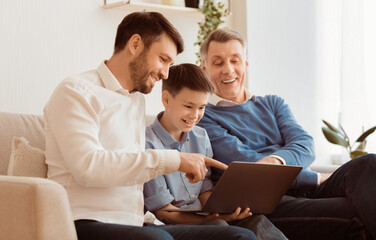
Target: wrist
point(277, 161)
point(280, 159)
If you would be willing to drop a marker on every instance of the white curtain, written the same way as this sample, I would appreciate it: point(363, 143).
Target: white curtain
point(358, 68)
point(346, 71)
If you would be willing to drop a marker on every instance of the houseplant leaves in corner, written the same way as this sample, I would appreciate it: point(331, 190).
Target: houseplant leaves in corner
point(214, 16)
point(339, 137)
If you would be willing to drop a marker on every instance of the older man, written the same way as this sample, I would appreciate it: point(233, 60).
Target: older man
point(245, 127)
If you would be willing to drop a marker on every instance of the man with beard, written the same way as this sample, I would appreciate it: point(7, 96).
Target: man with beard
point(95, 139)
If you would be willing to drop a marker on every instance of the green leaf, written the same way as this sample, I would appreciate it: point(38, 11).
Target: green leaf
point(214, 12)
point(334, 137)
point(361, 146)
point(331, 127)
point(344, 133)
point(366, 134)
point(356, 153)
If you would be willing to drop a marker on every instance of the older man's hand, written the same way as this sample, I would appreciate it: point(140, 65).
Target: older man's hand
point(270, 160)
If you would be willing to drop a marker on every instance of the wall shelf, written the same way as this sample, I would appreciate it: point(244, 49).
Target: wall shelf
point(141, 6)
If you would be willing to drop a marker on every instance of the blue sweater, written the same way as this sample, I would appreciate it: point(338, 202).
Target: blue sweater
point(258, 128)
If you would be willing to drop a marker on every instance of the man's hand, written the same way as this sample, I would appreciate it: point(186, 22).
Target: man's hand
point(194, 165)
point(237, 215)
point(270, 160)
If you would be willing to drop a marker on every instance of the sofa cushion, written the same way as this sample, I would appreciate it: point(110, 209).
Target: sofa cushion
point(16, 124)
point(26, 160)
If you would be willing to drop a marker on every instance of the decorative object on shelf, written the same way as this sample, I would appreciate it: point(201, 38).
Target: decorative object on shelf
point(339, 137)
point(214, 12)
point(178, 3)
point(191, 3)
point(154, 6)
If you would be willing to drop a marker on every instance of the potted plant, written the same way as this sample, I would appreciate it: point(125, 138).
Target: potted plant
point(339, 137)
point(214, 13)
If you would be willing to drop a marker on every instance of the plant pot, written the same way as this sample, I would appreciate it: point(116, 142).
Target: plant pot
point(191, 3)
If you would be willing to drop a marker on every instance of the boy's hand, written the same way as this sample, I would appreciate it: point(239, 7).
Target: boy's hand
point(237, 215)
point(194, 165)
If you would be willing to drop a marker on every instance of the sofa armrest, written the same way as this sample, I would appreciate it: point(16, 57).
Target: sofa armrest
point(34, 208)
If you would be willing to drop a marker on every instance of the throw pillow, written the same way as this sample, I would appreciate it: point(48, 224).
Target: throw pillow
point(26, 160)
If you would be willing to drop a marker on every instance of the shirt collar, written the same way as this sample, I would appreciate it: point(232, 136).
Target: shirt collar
point(219, 101)
point(165, 137)
point(108, 79)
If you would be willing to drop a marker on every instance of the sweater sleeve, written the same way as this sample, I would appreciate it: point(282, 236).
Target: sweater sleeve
point(298, 148)
point(306, 179)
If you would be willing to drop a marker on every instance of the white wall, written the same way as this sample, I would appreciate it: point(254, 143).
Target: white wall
point(283, 60)
point(44, 41)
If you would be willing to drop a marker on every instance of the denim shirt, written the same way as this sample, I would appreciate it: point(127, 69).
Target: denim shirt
point(174, 188)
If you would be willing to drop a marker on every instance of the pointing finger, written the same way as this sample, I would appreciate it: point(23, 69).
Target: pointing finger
point(214, 163)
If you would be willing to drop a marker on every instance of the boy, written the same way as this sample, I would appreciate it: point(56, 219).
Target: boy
point(94, 126)
point(184, 96)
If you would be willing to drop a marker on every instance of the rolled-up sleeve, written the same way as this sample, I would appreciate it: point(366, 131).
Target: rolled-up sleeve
point(207, 183)
point(156, 194)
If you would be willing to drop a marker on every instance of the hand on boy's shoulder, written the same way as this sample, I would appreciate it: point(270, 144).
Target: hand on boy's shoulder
point(194, 165)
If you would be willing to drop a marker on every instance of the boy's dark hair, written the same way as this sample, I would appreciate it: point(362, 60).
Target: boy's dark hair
point(150, 26)
point(187, 75)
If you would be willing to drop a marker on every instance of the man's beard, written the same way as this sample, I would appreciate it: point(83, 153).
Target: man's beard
point(139, 73)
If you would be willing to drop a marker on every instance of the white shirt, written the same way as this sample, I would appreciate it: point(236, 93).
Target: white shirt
point(216, 100)
point(95, 148)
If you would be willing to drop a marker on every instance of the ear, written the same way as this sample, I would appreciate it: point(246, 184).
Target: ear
point(246, 65)
point(203, 65)
point(135, 44)
point(165, 98)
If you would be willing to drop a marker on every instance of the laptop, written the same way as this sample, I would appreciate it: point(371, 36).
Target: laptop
point(255, 185)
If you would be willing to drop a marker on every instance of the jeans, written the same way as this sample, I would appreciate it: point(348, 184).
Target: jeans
point(93, 230)
point(343, 207)
point(258, 224)
point(261, 226)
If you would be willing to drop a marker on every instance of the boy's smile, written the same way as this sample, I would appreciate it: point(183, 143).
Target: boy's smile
point(182, 111)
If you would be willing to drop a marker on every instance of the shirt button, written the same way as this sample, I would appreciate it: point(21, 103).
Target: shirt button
point(192, 196)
